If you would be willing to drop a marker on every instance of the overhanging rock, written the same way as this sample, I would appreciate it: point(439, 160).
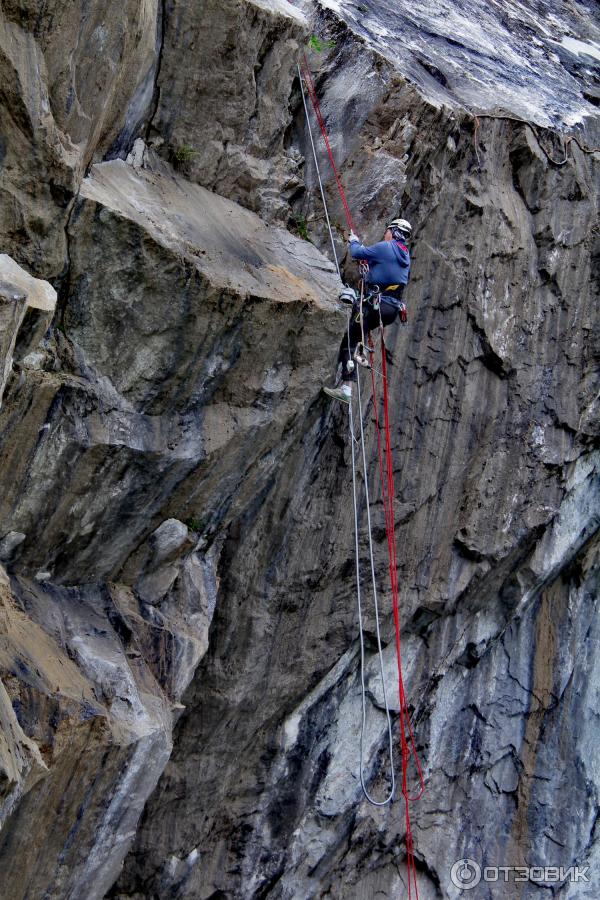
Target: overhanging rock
point(190, 354)
point(18, 292)
point(202, 335)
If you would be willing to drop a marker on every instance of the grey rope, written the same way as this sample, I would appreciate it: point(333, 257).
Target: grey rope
point(312, 143)
point(390, 796)
point(363, 725)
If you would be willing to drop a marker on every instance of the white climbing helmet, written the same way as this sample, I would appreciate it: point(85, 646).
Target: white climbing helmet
point(404, 227)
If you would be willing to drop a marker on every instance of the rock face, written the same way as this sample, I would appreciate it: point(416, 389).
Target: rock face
point(20, 294)
point(180, 697)
point(535, 61)
point(68, 78)
point(206, 381)
point(222, 115)
point(96, 714)
point(191, 374)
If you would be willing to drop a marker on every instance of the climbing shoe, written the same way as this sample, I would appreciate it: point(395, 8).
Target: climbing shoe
point(343, 393)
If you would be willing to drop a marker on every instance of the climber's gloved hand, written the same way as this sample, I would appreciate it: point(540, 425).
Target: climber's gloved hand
point(348, 295)
point(353, 237)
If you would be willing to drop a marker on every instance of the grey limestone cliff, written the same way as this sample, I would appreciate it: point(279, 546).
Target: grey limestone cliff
point(180, 698)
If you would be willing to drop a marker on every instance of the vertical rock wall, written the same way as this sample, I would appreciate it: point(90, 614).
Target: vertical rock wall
point(67, 79)
point(495, 408)
point(223, 98)
point(178, 638)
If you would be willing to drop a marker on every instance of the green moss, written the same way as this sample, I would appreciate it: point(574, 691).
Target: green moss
point(300, 226)
point(193, 524)
point(184, 154)
point(318, 44)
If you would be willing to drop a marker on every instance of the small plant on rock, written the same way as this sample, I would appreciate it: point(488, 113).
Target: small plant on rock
point(184, 155)
point(301, 227)
point(318, 44)
point(193, 524)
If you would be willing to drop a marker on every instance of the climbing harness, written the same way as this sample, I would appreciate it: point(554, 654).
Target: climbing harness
point(386, 474)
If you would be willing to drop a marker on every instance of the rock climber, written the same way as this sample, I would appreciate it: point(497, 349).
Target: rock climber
point(389, 271)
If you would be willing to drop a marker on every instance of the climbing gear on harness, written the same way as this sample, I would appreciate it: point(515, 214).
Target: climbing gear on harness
point(348, 295)
point(401, 225)
point(403, 315)
point(374, 297)
point(343, 393)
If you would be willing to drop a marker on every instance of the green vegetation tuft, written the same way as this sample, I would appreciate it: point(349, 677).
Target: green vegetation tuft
point(318, 44)
point(301, 227)
point(193, 524)
point(184, 154)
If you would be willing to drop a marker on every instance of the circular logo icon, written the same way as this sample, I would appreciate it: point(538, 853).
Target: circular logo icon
point(465, 874)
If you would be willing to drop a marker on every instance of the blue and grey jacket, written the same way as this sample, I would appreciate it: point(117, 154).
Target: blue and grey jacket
point(389, 264)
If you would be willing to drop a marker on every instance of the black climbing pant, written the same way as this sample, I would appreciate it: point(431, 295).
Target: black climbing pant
point(389, 312)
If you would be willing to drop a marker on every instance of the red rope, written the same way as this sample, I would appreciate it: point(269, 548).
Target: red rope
point(407, 739)
point(317, 108)
point(386, 473)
